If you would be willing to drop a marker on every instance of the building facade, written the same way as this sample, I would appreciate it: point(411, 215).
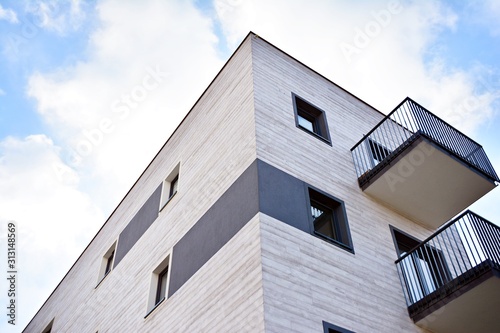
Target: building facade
point(283, 203)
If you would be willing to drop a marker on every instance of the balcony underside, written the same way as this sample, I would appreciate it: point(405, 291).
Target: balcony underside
point(472, 304)
point(426, 183)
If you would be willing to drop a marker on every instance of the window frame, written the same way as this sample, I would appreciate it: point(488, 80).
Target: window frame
point(161, 291)
point(330, 328)
point(339, 216)
point(155, 297)
point(170, 187)
point(49, 326)
point(107, 262)
point(314, 115)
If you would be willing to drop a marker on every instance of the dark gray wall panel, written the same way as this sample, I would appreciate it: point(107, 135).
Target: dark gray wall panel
point(146, 215)
point(216, 227)
point(283, 197)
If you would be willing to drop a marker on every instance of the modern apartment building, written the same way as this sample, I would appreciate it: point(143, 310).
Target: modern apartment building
point(283, 203)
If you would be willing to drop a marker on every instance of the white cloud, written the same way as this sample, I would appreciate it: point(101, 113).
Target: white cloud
point(489, 14)
point(8, 15)
point(123, 52)
point(57, 16)
point(378, 50)
point(54, 218)
point(124, 58)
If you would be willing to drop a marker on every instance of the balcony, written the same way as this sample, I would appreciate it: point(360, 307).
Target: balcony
point(422, 167)
point(451, 281)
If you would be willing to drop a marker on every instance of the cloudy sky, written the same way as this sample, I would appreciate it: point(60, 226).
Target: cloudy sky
point(90, 91)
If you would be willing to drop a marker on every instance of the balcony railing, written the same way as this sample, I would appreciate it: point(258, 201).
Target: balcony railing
point(404, 125)
point(455, 255)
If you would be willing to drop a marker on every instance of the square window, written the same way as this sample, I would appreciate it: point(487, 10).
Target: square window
point(310, 119)
point(158, 290)
point(107, 263)
point(329, 219)
point(170, 186)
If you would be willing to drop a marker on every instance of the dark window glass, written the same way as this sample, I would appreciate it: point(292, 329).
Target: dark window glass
point(378, 151)
point(310, 119)
point(161, 289)
point(173, 186)
point(329, 219)
point(330, 328)
point(109, 263)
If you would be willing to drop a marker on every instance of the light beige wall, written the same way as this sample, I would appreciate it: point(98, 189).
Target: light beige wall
point(214, 145)
point(307, 280)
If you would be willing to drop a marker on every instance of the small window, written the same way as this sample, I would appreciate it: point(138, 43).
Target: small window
point(173, 186)
point(329, 220)
point(161, 288)
point(107, 263)
point(378, 151)
point(170, 185)
point(48, 328)
point(330, 328)
point(158, 290)
point(310, 119)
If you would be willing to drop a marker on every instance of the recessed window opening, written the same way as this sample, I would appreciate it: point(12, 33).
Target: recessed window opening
point(161, 287)
point(170, 186)
point(310, 119)
point(330, 328)
point(158, 290)
point(329, 219)
point(48, 328)
point(107, 262)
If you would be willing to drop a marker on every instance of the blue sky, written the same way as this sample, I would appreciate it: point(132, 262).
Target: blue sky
point(71, 145)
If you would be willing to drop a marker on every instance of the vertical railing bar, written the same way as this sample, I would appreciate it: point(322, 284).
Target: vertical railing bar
point(469, 245)
point(390, 128)
point(463, 245)
point(407, 124)
point(493, 235)
point(402, 277)
point(387, 136)
point(427, 250)
point(377, 143)
point(399, 129)
point(449, 241)
point(419, 120)
point(445, 249)
point(483, 238)
point(434, 252)
point(420, 273)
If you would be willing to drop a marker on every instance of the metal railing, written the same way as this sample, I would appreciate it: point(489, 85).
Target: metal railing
point(451, 256)
point(401, 127)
